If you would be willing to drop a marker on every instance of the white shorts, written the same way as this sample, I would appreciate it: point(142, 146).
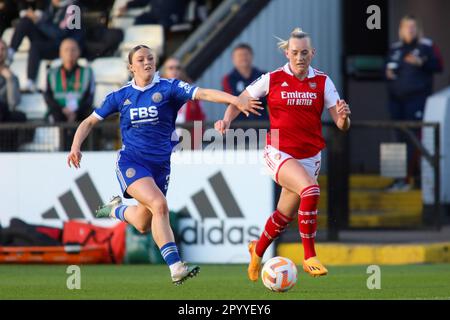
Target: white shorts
point(275, 158)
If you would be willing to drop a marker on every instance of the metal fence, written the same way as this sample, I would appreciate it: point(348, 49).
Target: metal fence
point(46, 137)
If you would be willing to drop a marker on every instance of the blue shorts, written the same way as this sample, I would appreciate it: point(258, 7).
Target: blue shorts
point(128, 170)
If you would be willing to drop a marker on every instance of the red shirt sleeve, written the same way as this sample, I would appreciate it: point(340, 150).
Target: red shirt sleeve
point(226, 84)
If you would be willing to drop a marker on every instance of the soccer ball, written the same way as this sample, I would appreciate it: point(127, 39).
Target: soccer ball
point(279, 274)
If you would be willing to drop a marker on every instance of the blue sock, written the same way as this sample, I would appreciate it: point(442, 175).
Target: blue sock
point(169, 252)
point(119, 212)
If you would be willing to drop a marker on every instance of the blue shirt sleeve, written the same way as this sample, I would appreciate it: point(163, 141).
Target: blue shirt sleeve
point(108, 107)
point(182, 92)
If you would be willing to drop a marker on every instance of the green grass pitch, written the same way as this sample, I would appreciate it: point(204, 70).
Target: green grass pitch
point(219, 282)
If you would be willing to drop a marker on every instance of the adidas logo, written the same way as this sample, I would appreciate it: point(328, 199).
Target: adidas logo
point(71, 206)
point(284, 84)
point(211, 228)
point(127, 102)
point(224, 195)
point(205, 230)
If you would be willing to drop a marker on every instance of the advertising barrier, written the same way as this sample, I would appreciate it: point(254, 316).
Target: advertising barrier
point(223, 199)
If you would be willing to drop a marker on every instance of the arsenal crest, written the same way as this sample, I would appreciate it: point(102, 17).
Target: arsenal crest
point(312, 85)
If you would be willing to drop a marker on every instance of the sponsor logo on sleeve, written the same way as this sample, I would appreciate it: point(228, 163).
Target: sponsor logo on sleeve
point(185, 86)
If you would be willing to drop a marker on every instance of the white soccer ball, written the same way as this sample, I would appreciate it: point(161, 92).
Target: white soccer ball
point(279, 274)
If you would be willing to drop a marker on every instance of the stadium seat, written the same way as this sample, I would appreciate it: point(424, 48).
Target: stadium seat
point(133, 12)
point(101, 91)
point(19, 68)
point(117, 4)
point(7, 36)
point(122, 22)
point(188, 20)
point(45, 139)
point(127, 20)
point(151, 35)
point(57, 62)
point(33, 105)
point(41, 81)
point(110, 70)
point(181, 27)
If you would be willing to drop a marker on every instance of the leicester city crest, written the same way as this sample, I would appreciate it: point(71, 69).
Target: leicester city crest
point(157, 97)
point(130, 172)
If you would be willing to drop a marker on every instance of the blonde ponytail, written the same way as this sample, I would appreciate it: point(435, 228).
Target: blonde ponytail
point(297, 33)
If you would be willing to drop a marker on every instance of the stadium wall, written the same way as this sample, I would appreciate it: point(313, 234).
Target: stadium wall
point(321, 19)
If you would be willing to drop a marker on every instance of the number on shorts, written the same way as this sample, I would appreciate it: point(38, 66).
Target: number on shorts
point(167, 182)
point(316, 173)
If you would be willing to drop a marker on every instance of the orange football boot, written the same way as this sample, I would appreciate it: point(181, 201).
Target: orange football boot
point(314, 267)
point(254, 267)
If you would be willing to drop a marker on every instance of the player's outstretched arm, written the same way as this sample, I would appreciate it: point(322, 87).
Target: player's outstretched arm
point(82, 132)
point(244, 104)
point(341, 115)
point(230, 114)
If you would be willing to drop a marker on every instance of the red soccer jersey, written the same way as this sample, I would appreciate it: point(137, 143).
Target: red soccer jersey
point(295, 108)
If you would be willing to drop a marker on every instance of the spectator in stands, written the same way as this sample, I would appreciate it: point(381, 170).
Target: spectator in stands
point(70, 87)
point(163, 12)
point(33, 9)
point(243, 74)
point(101, 41)
point(411, 63)
point(8, 12)
point(201, 11)
point(45, 34)
point(192, 109)
point(9, 90)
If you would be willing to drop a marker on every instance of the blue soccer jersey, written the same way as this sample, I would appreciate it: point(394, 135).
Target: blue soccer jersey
point(147, 115)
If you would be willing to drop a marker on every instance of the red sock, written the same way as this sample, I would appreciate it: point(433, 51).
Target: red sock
point(275, 225)
point(307, 218)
